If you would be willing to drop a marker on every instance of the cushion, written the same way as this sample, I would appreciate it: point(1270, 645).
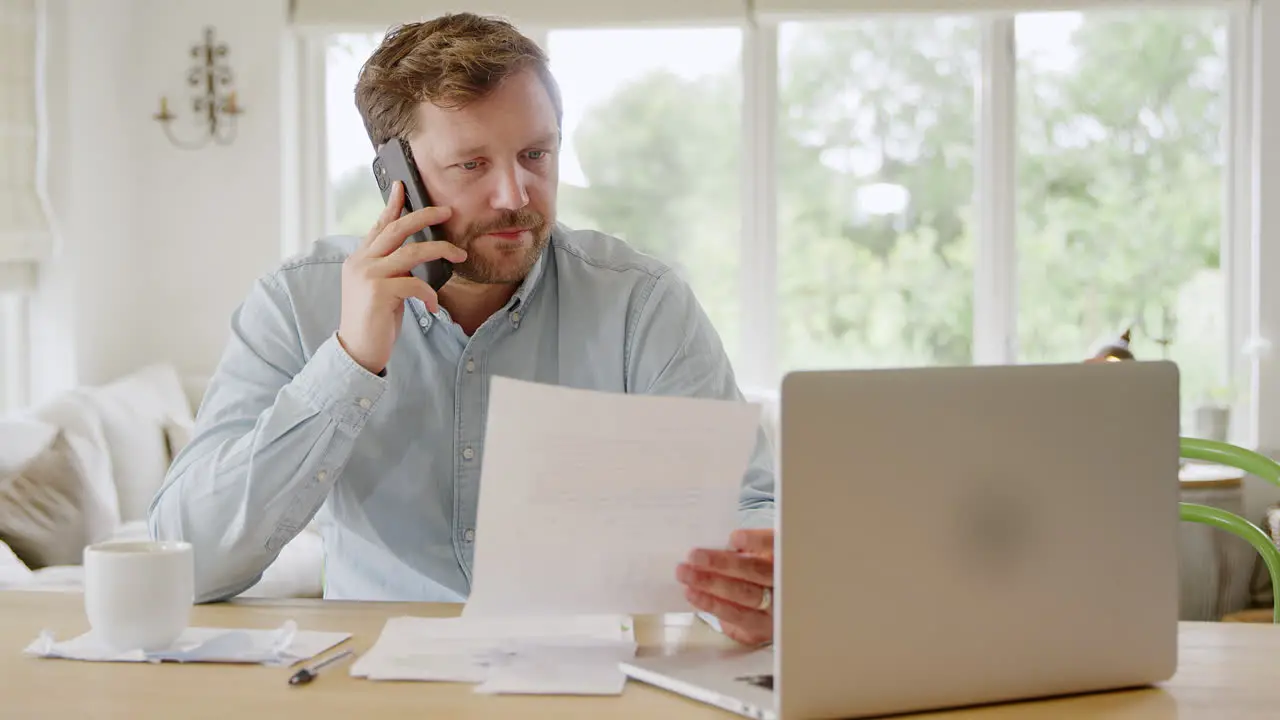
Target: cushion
point(135, 411)
point(42, 508)
point(155, 390)
point(72, 412)
point(24, 439)
point(177, 435)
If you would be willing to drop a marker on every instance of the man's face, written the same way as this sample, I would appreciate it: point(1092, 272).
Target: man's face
point(495, 163)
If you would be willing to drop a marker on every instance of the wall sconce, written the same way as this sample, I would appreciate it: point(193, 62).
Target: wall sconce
point(214, 102)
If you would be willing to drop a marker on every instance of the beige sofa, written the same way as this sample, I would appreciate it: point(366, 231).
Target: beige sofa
point(83, 468)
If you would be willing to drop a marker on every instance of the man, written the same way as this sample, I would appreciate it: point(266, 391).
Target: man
point(353, 393)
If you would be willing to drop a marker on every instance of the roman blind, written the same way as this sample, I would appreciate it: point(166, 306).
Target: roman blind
point(25, 231)
point(526, 13)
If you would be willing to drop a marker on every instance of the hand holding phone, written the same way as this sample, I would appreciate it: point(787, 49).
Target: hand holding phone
point(377, 279)
point(394, 163)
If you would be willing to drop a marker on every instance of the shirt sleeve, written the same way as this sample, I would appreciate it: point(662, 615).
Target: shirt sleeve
point(673, 349)
point(273, 432)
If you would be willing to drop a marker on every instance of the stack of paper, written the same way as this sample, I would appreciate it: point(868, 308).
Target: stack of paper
point(523, 655)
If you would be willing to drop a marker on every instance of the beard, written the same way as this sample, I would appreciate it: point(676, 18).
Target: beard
point(500, 266)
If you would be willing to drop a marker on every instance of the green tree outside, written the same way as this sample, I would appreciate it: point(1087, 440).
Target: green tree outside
point(1120, 168)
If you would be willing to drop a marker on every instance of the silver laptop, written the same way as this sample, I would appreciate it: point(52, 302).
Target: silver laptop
point(959, 536)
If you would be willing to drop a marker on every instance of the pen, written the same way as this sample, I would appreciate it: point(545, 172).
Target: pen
point(306, 675)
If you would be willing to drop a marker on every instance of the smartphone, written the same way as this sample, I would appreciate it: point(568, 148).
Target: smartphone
point(394, 161)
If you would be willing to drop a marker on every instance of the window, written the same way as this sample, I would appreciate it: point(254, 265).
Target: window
point(875, 192)
point(1120, 167)
point(353, 201)
point(940, 188)
point(651, 149)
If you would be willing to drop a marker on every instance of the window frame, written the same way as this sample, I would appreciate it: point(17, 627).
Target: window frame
point(995, 330)
point(310, 164)
point(1238, 237)
point(995, 276)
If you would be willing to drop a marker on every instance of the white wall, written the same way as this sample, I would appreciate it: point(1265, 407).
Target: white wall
point(158, 244)
point(77, 324)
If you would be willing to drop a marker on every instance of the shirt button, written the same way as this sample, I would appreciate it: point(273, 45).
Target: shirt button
point(322, 475)
point(468, 453)
point(424, 321)
point(515, 316)
point(471, 365)
point(469, 535)
point(364, 403)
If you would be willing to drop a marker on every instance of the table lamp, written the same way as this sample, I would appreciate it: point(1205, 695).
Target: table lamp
point(1116, 350)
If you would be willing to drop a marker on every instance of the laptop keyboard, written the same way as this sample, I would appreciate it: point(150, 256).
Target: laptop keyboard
point(763, 681)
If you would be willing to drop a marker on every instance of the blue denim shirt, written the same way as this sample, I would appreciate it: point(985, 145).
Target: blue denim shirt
point(291, 428)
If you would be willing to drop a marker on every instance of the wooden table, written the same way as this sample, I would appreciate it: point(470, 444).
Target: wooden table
point(1227, 670)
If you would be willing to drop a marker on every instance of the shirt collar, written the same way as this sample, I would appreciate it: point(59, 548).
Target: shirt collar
point(532, 278)
point(527, 287)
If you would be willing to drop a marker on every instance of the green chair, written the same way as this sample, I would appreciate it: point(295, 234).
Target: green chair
point(1250, 462)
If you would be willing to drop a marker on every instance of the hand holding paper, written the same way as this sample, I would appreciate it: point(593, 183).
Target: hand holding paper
point(590, 500)
point(736, 585)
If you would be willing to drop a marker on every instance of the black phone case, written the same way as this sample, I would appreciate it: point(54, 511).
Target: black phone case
point(394, 161)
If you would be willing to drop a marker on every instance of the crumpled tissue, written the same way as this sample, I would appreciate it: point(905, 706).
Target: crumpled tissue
point(281, 647)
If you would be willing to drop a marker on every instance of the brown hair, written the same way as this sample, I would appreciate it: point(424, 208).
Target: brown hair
point(449, 61)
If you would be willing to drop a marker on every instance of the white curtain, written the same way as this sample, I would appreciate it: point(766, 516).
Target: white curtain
point(25, 230)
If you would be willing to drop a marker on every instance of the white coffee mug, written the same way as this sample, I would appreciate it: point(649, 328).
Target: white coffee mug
point(138, 595)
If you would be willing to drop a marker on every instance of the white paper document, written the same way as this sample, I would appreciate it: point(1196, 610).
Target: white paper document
point(541, 655)
point(555, 670)
point(589, 500)
point(283, 646)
